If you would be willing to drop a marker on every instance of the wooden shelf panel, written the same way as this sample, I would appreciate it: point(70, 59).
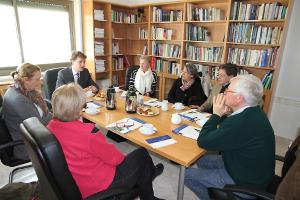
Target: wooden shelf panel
point(165, 57)
point(208, 22)
point(250, 44)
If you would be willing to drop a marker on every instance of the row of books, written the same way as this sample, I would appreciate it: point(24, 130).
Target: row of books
point(265, 11)
point(210, 54)
point(161, 33)
point(115, 48)
point(143, 33)
point(99, 32)
point(252, 57)
point(196, 33)
point(117, 63)
point(174, 68)
point(98, 15)
point(100, 65)
point(99, 48)
point(204, 14)
point(166, 50)
point(267, 80)
point(160, 15)
point(250, 33)
point(123, 17)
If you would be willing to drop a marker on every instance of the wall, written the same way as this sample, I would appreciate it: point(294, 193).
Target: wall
point(285, 114)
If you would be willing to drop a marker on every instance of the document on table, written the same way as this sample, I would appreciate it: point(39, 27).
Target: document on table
point(194, 115)
point(153, 102)
point(126, 125)
point(188, 131)
point(160, 141)
point(93, 105)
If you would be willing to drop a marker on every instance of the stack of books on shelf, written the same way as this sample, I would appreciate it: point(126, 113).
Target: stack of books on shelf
point(145, 50)
point(161, 33)
point(99, 32)
point(160, 15)
point(100, 65)
point(252, 57)
point(115, 80)
point(158, 64)
point(123, 17)
point(265, 11)
point(115, 48)
point(254, 34)
point(99, 48)
point(117, 63)
point(98, 15)
point(143, 33)
point(204, 14)
point(267, 80)
point(209, 54)
point(166, 50)
point(196, 33)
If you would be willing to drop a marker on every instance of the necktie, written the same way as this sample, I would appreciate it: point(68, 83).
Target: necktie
point(77, 76)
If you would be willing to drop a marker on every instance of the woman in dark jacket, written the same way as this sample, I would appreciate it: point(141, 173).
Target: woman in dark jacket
point(187, 89)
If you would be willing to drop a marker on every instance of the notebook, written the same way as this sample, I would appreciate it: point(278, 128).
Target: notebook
point(160, 141)
point(188, 131)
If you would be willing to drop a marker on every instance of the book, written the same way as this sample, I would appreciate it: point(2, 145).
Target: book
point(194, 115)
point(160, 141)
point(188, 131)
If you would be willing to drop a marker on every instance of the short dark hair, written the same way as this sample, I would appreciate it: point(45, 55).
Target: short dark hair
point(76, 54)
point(230, 69)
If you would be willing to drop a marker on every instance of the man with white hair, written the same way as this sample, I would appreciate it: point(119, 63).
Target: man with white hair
point(245, 139)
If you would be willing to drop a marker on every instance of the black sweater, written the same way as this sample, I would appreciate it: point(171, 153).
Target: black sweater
point(192, 96)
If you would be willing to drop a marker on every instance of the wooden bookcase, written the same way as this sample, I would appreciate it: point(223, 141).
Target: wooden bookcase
point(171, 42)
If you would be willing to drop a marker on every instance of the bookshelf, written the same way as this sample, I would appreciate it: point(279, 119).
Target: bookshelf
point(249, 33)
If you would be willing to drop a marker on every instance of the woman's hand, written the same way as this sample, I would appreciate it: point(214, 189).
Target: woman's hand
point(219, 107)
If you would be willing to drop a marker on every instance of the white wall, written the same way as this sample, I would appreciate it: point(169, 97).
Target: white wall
point(285, 115)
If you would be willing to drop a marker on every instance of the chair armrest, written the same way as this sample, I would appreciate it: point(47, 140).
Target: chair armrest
point(250, 191)
point(109, 193)
point(11, 144)
point(279, 158)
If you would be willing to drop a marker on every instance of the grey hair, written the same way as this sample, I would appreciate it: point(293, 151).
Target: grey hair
point(250, 87)
point(145, 57)
point(192, 70)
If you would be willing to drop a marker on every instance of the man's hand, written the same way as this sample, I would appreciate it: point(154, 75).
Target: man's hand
point(219, 107)
point(194, 106)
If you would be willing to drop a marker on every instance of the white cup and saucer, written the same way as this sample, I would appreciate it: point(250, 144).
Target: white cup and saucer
point(178, 106)
point(147, 129)
point(89, 93)
point(164, 105)
point(117, 89)
point(91, 111)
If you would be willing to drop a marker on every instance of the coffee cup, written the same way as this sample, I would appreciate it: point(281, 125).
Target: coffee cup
point(91, 111)
point(178, 106)
point(117, 89)
point(147, 129)
point(89, 93)
point(164, 105)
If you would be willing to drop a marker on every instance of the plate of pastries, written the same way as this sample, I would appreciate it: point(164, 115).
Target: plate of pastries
point(147, 111)
point(100, 96)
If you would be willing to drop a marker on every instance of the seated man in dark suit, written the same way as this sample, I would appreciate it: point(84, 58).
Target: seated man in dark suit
point(77, 73)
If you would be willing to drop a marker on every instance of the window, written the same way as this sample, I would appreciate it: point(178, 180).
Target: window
point(35, 31)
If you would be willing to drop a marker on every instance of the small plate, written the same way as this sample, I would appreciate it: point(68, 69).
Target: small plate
point(155, 111)
point(179, 108)
point(142, 132)
point(93, 112)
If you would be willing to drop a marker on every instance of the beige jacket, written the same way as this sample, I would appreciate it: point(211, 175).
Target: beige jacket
point(209, 102)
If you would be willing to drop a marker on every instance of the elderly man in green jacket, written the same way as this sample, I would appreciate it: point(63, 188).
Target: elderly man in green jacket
point(245, 139)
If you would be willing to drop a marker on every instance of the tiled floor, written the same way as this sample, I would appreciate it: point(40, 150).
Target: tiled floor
point(165, 186)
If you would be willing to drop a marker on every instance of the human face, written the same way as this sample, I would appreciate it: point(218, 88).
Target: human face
point(231, 96)
point(79, 64)
point(33, 82)
point(223, 78)
point(185, 75)
point(144, 64)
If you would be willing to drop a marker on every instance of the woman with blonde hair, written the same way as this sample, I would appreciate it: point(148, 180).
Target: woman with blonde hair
point(95, 164)
point(23, 100)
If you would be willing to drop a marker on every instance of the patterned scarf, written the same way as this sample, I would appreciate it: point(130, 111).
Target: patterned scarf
point(33, 95)
point(186, 84)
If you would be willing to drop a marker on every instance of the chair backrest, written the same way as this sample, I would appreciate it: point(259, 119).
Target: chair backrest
point(50, 78)
point(129, 71)
point(55, 179)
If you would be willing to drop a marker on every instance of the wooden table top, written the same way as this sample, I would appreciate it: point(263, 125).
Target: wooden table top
point(184, 152)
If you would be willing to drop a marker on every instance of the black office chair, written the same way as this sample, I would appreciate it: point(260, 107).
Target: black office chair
point(227, 193)
point(6, 149)
point(129, 71)
point(50, 78)
point(55, 179)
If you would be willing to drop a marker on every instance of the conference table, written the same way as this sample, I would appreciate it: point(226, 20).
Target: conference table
point(185, 152)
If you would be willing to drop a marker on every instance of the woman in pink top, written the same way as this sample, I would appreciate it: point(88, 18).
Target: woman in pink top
point(95, 164)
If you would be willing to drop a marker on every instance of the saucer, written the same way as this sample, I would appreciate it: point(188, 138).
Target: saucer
point(144, 133)
point(89, 94)
point(92, 111)
point(179, 108)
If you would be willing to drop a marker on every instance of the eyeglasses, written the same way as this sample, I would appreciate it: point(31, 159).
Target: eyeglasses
point(229, 91)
